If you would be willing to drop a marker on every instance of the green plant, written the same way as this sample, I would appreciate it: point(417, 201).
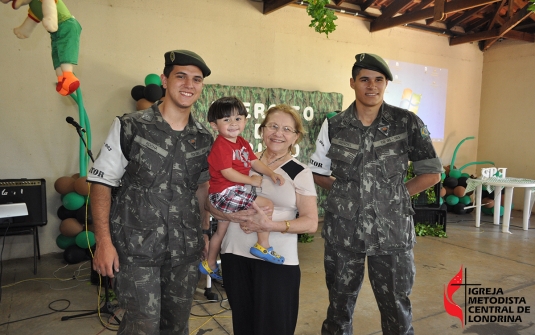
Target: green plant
point(422, 229)
point(430, 192)
point(305, 238)
point(531, 7)
point(322, 17)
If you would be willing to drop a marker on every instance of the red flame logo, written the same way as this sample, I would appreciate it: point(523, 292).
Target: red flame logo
point(451, 307)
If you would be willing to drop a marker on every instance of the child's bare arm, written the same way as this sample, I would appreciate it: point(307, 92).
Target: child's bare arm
point(262, 168)
point(237, 177)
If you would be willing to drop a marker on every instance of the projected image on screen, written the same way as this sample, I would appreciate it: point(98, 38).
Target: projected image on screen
point(422, 90)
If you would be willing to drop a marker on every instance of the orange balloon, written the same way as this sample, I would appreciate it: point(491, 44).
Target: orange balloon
point(76, 176)
point(64, 185)
point(449, 190)
point(459, 191)
point(142, 104)
point(70, 227)
point(488, 201)
point(81, 186)
point(442, 192)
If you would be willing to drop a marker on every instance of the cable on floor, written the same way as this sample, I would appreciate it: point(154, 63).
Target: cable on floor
point(54, 310)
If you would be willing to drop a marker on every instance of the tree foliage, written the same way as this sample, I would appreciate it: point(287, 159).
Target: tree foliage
point(322, 17)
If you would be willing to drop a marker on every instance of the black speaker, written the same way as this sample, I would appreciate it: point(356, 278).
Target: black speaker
point(32, 192)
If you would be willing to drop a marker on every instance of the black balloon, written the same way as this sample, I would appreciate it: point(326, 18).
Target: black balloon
point(137, 92)
point(462, 181)
point(74, 254)
point(469, 210)
point(152, 92)
point(64, 213)
point(459, 208)
point(81, 213)
point(450, 182)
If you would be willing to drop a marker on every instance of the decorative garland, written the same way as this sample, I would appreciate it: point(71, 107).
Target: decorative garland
point(322, 17)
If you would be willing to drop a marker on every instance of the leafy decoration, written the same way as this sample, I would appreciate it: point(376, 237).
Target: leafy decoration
point(305, 238)
point(531, 6)
point(430, 192)
point(429, 230)
point(322, 17)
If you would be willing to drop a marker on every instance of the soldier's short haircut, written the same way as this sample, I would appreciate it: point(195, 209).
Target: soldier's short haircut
point(167, 70)
point(225, 107)
point(355, 71)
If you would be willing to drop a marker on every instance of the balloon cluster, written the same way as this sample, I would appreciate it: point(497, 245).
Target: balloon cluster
point(454, 187)
point(75, 216)
point(453, 190)
point(148, 94)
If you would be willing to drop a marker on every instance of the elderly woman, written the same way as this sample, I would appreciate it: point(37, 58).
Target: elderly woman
point(264, 297)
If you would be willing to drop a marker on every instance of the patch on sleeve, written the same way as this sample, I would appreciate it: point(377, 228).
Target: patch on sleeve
point(424, 132)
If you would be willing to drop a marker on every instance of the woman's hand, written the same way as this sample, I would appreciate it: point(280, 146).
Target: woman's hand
point(238, 217)
point(257, 221)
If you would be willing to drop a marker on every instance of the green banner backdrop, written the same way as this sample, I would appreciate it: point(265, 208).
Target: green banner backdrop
point(311, 105)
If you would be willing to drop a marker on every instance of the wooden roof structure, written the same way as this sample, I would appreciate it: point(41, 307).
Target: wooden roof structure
point(461, 21)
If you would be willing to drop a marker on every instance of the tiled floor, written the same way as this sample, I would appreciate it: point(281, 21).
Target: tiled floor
point(495, 260)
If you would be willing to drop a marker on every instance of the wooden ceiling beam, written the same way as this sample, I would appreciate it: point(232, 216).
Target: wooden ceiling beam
point(518, 17)
point(338, 2)
point(272, 5)
point(465, 16)
point(449, 7)
point(366, 4)
point(496, 15)
point(422, 5)
point(395, 7)
point(439, 14)
point(520, 36)
point(484, 35)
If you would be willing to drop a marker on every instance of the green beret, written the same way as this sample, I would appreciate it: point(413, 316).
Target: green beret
point(186, 57)
point(374, 63)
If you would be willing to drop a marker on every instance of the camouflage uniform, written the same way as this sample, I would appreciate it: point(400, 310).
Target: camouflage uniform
point(155, 220)
point(368, 213)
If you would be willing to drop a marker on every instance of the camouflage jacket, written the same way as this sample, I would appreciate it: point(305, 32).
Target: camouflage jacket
point(369, 197)
point(156, 209)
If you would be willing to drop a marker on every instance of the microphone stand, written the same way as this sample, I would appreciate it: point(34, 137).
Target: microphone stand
point(108, 307)
point(79, 130)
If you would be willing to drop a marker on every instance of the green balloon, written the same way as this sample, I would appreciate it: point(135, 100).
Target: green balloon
point(486, 210)
point(153, 79)
point(466, 175)
point(442, 176)
point(452, 200)
point(63, 242)
point(73, 201)
point(81, 239)
point(465, 200)
point(441, 201)
point(501, 210)
point(454, 173)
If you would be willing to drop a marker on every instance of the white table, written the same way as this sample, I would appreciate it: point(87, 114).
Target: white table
point(497, 184)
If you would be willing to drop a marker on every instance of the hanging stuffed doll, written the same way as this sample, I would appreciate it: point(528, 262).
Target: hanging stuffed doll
point(64, 31)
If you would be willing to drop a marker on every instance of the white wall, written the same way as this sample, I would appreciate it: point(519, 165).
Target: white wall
point(123, 41)
point(507, 123)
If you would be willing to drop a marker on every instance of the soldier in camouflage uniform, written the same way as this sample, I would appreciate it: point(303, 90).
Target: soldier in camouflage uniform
point(151, 240)
point(362, 155)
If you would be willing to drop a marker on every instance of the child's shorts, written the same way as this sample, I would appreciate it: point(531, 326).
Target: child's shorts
point(233, 199)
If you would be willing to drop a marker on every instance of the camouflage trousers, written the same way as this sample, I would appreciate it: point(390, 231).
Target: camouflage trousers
point(156, 300)
point(391, 277)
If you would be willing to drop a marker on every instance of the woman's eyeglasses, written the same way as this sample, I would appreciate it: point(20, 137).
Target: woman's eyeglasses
point(285, 130)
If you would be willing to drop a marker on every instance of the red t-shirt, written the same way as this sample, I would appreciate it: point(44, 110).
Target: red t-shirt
point(226, 154)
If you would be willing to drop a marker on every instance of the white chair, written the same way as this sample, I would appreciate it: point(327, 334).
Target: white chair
point(532, 200)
